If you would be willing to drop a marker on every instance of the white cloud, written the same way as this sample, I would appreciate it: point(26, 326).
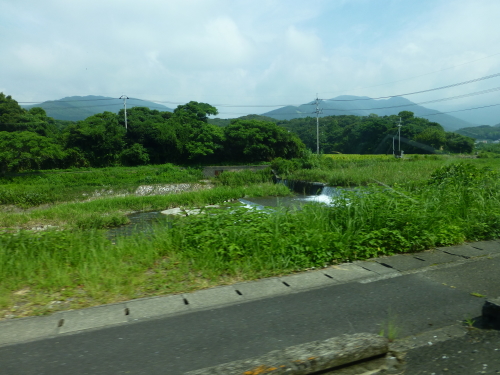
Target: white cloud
point(245, 52)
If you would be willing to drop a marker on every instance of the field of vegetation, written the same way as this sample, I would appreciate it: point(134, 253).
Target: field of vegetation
point(399, 205)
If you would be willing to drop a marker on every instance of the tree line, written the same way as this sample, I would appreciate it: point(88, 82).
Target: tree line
point(374, 134)
point(29, 139)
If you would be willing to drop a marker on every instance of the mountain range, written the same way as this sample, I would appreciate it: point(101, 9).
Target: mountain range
point(76, 108)
point(364, 106)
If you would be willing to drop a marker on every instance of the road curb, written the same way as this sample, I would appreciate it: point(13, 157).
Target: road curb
point(309, 358)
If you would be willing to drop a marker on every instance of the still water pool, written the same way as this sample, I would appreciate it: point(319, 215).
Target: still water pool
point(143, 222)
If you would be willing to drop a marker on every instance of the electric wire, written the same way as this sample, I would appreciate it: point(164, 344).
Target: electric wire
point(419, 92)
point(284, 105)
point(409, 78)
point(431, 114)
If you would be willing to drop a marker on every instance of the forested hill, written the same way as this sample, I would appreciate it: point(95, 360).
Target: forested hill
point(77, 108)
point(374, 134)
point(483, 132)
point(347, 106)
point(223, 122)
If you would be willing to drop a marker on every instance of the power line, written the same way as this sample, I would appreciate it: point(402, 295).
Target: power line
point(295, 113)
point(419, 92)
point(431, 114)
point(68, 101)
point(461, 110)
point(426, 102)
point(421, 75)
point(412, 104)
point(350, 100)
point(285, 105)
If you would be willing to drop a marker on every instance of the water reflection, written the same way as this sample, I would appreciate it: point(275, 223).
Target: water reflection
point(143, 222)
point(327, 196)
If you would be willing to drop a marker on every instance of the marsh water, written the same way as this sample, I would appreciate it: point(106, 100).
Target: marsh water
point(143, 222)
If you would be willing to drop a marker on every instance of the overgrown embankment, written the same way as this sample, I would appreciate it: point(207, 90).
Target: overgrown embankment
point(43, 272)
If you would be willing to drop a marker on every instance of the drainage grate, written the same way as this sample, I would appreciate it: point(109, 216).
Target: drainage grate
point(386, 265)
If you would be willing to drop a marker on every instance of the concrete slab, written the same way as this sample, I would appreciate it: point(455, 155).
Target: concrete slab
point(92, 318)
point(403, 262)
point(213, 297)
point(376, 267)
point(19, 330)
point(262, 288)
point(348, 272)
point(308, 280)
point(490, 247)
point(480, 278)
point(159, 306)
point(308, 358)
point(436, 257)
point(465, 251)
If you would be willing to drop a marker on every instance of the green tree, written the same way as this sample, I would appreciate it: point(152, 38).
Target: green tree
point(151, 129)
point(27, 150)
point(195, 110)
point(99, 137)
point(459, 143)
point(253, 140)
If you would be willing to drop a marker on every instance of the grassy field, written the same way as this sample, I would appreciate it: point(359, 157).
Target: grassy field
point(358, 170)
point(47, 187)
point(440, 201)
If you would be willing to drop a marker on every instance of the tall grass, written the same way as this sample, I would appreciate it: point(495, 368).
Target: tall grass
point(109, 212)
point(358, 170)
point(244, 177)
point(33, 189)
point(457, 203)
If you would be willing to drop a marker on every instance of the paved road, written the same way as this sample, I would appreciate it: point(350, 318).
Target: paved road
point(418, 293)
point(478, 352)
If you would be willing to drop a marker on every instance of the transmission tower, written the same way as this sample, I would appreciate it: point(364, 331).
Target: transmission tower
point(125, 97)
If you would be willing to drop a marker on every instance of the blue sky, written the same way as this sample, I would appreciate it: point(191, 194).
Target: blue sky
point(251, 52)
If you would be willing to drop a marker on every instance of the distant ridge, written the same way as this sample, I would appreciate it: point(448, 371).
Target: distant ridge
point(365, 108)
point(482, 132)
point(76, 108)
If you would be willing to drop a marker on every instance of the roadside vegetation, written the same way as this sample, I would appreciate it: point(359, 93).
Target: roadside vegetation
point(450, 200)
point(63, 185)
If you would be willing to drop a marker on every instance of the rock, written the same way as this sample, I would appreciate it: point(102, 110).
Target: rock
point(491, 312)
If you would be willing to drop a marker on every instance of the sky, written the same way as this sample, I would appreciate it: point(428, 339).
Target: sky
point(246, 56)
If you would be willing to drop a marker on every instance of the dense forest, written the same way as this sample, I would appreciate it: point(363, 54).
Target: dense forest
point(482, 132)
point(374, 134)
point(29, 139)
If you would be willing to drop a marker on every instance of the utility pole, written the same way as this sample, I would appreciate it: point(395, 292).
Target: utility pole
point(399, 135)
point(399, 142)
point(125, 97)
point(317, 111)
